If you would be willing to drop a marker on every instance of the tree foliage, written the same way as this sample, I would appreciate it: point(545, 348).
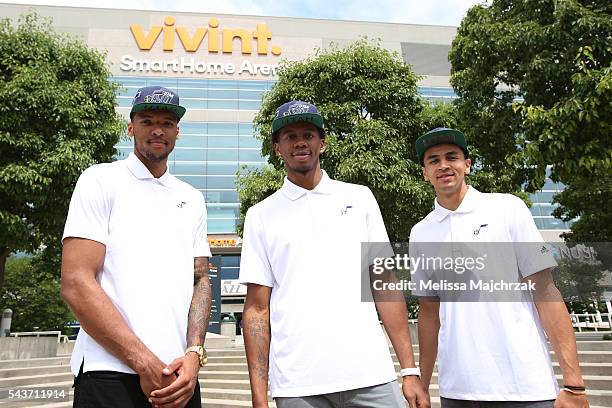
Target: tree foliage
point(534, 81)
point(57, 117)
point(373, 114)
point(32, 292)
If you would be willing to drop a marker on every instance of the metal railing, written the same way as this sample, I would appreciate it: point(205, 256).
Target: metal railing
point(592, 321)
point(54, 333)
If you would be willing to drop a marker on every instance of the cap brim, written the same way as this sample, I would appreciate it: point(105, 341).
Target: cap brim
point(279, 123)
point(176, 109)
point(446, 136)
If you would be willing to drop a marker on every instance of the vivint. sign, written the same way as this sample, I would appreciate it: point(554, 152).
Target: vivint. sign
point(201, 42)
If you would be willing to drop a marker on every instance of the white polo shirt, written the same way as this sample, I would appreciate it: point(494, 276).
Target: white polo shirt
point(490, 351)
point(152, 229)
point(306, 246)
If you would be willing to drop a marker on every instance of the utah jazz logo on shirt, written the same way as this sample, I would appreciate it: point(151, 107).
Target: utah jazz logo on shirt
point(477, 230)
point(346, 209)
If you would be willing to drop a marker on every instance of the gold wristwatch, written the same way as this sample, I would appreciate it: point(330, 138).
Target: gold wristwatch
point(201, 352)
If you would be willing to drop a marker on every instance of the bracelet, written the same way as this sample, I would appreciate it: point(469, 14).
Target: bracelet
point(404, 372)
point(574, 391)
point(574, 387)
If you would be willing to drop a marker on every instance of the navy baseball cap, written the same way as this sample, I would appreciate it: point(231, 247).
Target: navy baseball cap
point(297, 111)
point(157, 97)
point(439, 136)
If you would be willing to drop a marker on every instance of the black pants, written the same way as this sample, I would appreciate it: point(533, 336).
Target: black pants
point(110, 389)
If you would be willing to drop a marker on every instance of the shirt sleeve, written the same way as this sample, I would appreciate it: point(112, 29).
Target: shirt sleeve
point(378, 241)
point(200, 239)
point(532, 254)
point(90, 207)
point(254, 262)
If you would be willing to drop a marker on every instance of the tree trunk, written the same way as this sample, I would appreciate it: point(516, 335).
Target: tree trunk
point(4, 253)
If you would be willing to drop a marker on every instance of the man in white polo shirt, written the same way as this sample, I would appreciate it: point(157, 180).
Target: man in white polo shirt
point(490, 352)
point(305, 326)
point(135, 271)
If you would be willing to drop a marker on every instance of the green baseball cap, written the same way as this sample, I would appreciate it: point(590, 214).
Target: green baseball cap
point(439, 136)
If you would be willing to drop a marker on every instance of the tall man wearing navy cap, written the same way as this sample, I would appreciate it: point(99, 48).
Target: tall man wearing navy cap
point(490, 353)
point(306, 329)
point(135, 271)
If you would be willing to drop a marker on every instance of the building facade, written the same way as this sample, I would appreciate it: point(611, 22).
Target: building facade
point(221, 66)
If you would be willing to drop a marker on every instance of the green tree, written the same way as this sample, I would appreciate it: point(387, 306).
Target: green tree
point(373, 114)
point(57, 117)
point(579, 281)
point(534, 81)
point(32, 293)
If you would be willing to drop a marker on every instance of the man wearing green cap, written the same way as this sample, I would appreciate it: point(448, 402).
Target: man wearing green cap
point(306, 329)
point(493, 353)
point(135, 271)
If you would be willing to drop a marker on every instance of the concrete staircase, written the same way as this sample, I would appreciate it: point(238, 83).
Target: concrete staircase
point(225, 382)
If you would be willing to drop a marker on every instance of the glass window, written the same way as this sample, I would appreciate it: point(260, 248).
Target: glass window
point(220, 128)
point(223, 141)
point(191, 93)
point(545, 197)
point(124, 101)
point(253, 155)
point(251, 94)
point(226, 169)
point(191, 141)
point(189, 154)
point(220, 196)
point(223, 84)
point(538, 222)
point(222, 155)
point(216, 226)
point(137, 82)
point(170, 83)
point(192, 83)
point(550, 185)
point(249, 141)
point(249, 105)
point(223, 93)
point(191, 103)
point(254, 85)
point(222, 212)
point(222, 104)
point(128, 92)
point(553, 223)
point(194, 128)
point(190, 168)
point(125, 142)
point(535, 210)
point(194, 181)
point(245, 129)
point(228, 182)
point(547, 209)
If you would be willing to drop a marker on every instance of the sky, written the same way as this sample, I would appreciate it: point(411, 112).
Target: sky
point(432, 12)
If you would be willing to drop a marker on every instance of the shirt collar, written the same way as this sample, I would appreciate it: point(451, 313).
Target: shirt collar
point(140, 171)
point(468, 204)
point(293, 191)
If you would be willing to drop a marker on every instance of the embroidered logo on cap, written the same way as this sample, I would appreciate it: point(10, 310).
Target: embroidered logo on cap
point(159, 96)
